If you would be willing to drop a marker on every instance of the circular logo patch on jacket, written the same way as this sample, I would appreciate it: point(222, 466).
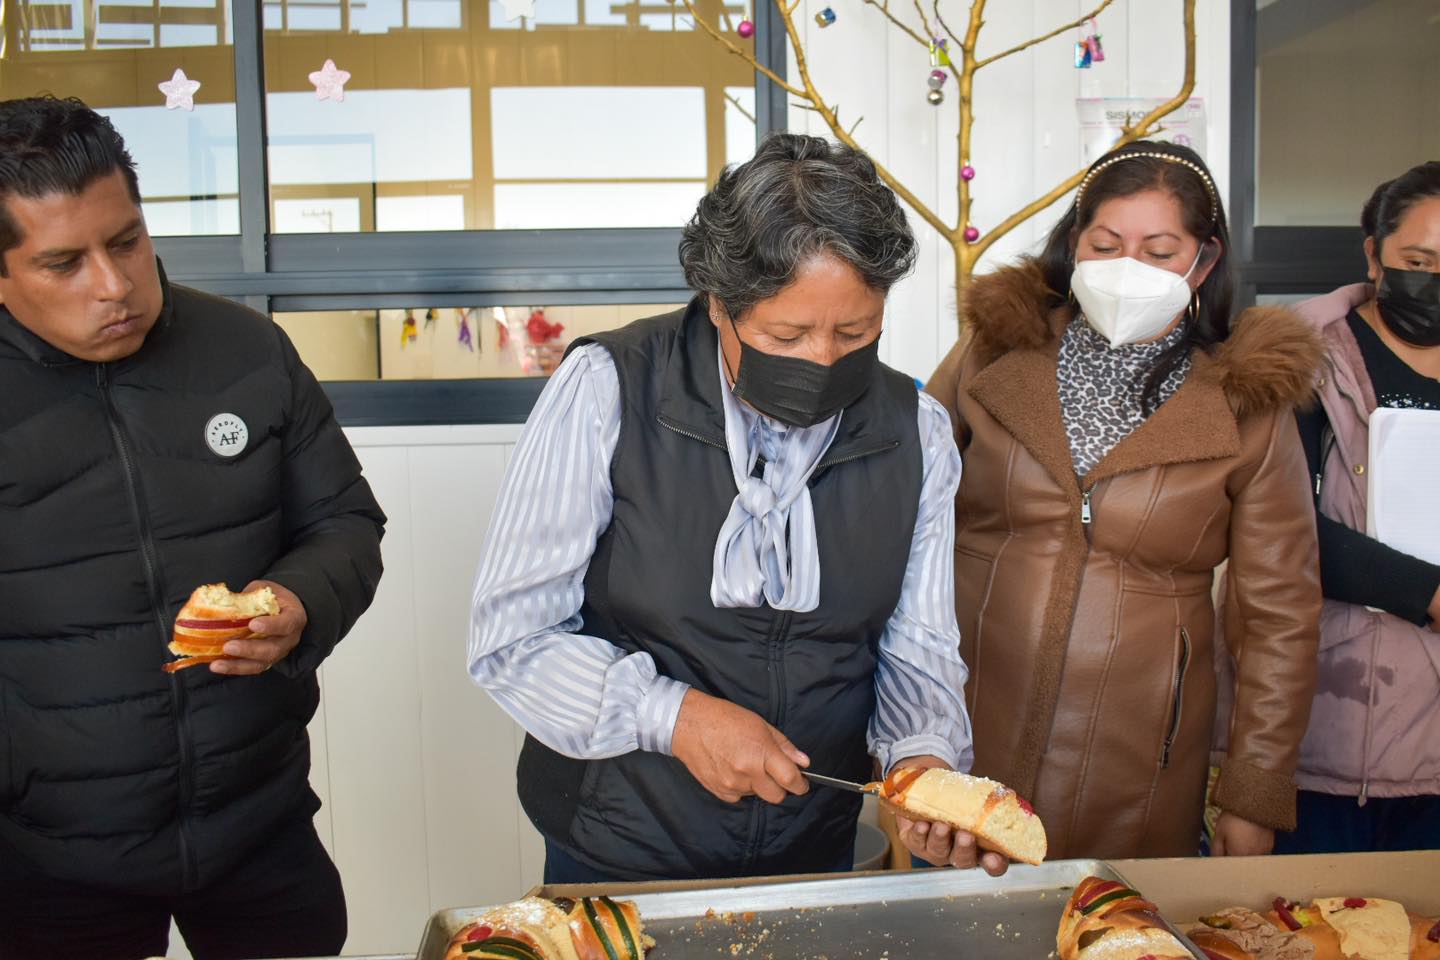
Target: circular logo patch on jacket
point(226, 434)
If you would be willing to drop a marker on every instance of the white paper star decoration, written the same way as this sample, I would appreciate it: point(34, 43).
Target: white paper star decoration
point(179, 91)
point(519, 8)
point(330, 82)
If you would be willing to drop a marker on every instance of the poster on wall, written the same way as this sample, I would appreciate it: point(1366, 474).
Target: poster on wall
point(1103, 119)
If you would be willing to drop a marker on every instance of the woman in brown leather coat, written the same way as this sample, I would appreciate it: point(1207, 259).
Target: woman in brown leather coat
point(1122, 437)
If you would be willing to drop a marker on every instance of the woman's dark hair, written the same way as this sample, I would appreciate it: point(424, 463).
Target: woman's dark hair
point(797, 197)
point(1203, 215)
point(49, 145)
point(1370, 213)
point(1393, 200)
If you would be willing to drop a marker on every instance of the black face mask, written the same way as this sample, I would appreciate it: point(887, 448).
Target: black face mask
point(1410, 305)
point(799, 392)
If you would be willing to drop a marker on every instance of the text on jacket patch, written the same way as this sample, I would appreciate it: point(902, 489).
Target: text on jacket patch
point(226, 434)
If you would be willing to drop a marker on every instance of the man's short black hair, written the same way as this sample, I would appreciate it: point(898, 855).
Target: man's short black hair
point(49, 145)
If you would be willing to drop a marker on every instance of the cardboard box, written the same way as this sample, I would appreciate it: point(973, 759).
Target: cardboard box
point(1190, 887)
point(1185, 889)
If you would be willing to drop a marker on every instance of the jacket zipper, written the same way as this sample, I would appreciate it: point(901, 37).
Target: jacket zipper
point(1177, 697)
point(693, 436)
point(152, 581)
point(826, 464)
point(1087, 511)
point(775, 647)
point(1325, 448)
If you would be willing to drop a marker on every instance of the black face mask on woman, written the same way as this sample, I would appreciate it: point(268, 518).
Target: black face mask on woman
point(800, 392)
point(1410, 305)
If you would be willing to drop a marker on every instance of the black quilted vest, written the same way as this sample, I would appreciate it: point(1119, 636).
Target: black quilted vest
point(812, 675)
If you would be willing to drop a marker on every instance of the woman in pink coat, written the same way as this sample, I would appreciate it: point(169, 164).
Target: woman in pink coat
point(1369, 772)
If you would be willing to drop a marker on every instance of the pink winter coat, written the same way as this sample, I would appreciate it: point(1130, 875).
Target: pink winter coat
point(1375, 723)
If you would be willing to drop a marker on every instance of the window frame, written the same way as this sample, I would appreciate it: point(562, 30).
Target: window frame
point(1273, 260)
point(373, 271)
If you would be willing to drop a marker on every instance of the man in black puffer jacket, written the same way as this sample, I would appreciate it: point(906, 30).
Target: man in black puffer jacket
point(152, 439)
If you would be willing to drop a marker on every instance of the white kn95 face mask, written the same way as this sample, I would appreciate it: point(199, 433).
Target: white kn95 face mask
point(1127, 301)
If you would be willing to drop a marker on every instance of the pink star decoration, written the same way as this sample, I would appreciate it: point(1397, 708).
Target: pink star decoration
point(330, 82)
point(179, 91)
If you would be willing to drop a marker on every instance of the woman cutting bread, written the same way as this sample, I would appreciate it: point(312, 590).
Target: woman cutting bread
point(723, 553)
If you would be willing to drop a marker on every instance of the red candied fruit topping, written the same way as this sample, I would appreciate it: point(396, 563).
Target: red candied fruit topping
point(1025, 805)
point(1282, 910)
point(479, 933)
point(1354, 903)
point(1434, 935)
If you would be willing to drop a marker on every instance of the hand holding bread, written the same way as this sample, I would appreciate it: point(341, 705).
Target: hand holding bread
point(945, 817)
point(237, 634)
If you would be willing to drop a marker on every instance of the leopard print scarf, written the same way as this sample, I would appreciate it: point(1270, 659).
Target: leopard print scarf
point(1100, 388)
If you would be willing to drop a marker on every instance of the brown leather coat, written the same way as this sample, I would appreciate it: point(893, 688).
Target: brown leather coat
point(1092, 689)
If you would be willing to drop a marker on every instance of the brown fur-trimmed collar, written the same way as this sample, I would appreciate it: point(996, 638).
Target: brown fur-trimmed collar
point(1269, 361)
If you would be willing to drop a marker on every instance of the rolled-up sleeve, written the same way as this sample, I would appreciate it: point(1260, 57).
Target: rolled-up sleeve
point(577, 694)
point(920, 683)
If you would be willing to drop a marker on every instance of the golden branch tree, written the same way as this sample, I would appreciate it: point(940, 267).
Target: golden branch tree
point(965, 62)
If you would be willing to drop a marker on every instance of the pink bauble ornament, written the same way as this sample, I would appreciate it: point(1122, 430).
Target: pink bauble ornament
point(967, 172)
point(937, 76)
point(971, 234)
point(746, 29)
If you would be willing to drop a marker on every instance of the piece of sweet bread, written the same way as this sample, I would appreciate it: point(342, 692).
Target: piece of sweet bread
point(588, 928)
point(998, 817)
point(605, 929)
point(1106, 920)
point(212, 617)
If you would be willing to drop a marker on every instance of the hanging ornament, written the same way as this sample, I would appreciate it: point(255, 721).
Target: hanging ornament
point(430, 316)
point(502, 326)
point(936, 97)
point(1083, 54)
point(540, 330)
point(330, 82)
point(746, 29)
point(408, 331)
point(825, 17)
point(967, 172)
point(937, 79)
point(1097, 52)
point(971, 234)
point(179, 91)
point(466, 337)
point(939, 52)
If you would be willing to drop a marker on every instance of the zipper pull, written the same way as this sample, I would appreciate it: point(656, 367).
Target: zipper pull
point(1364, 789)
point(1085, 514)
point(1318, 478)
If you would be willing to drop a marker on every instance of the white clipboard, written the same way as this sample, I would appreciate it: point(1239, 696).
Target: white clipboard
point(1403, 509)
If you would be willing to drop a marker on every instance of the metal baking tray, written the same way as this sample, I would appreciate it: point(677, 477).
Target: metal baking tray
point(914, 915)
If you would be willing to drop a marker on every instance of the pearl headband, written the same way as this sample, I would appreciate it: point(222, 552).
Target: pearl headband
point(1152, 155)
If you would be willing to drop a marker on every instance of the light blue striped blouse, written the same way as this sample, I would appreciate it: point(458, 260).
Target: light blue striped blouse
point(586, 698)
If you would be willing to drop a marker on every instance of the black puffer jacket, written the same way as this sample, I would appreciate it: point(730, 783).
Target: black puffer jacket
point(113, 507)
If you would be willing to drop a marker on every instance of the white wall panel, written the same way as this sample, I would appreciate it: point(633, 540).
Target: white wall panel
point(373, 697)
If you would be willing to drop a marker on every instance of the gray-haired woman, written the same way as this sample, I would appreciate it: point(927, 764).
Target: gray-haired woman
point(724, 552)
